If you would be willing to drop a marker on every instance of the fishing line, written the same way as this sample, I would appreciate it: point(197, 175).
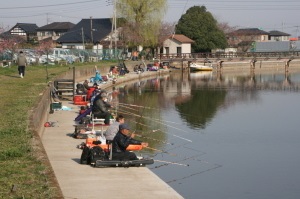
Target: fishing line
point(197, 173)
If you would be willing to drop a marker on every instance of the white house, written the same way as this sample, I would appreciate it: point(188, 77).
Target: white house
point(275, 35)
point(177, 44)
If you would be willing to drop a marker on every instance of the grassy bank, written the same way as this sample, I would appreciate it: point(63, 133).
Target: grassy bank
point(25, 171)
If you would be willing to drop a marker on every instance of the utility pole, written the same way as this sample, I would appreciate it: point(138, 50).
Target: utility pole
point(92, 31)
point(112, 26)
point(82, 34)
point(47, 18)
point(115, 24)
point(297, 32)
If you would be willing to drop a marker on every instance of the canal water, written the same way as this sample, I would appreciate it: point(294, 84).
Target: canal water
point(219, 136)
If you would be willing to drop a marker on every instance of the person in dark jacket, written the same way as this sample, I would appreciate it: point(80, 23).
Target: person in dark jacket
point(100, 108)
point(22, 62)
point(121, 141)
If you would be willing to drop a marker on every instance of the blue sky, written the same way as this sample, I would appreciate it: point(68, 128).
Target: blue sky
point(265, 14)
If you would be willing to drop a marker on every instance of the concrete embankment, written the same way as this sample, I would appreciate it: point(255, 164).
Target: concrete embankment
point(242, 64)
point(83, 181)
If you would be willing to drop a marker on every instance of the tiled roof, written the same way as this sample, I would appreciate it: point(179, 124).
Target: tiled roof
point(278, 33)
point(101, 28)
point(250, 31)
point(57, 26)
point(181, 38)
point(27, 27)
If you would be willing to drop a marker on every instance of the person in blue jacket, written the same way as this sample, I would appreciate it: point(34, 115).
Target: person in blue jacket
point(98, 77)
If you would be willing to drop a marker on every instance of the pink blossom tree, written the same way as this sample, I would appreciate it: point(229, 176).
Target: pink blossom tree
point(45, 47)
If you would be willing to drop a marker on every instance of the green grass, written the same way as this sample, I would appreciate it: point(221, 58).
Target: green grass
point(24, 169)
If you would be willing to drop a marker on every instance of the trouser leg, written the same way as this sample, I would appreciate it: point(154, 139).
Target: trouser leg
point(124, 156)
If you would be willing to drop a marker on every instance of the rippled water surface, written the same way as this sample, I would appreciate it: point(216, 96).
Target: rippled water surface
point(217, 136)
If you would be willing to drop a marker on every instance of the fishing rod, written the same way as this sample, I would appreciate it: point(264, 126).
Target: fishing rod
point(126, 105)
point(145, 107)
point(177, 136)
point(153, 139)
point(167, 163)
point(154, 149)
point(129, 113)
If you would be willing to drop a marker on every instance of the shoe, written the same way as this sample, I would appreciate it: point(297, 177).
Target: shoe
point(21, 76)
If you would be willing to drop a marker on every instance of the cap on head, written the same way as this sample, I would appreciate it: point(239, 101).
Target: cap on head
point(124, 126)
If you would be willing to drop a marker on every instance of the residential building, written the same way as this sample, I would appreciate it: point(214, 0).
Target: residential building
point(243, 39)
point(177, 44)
point(26, 30)
point(88, 33)
point(53, 30)
point(275, 35)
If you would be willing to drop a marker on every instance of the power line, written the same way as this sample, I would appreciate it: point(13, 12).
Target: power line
point(51, 5)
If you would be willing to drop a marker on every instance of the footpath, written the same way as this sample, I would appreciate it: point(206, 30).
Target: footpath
point(79, 181)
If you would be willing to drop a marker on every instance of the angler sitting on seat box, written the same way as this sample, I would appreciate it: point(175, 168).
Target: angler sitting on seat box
point(100, 108)
point(113, 129)
point(98, 77)
point(121, 141)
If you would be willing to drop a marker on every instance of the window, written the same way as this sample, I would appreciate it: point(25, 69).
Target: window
point(179, 50)
point(167, 50)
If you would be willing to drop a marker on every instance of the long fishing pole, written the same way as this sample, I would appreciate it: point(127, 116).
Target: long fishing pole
point(154, 149)
point(142, 136)
point(145, 107)
point(175, 163)
point(126, 105)
point(167, 163)
point(177, 136)
point(155, 121)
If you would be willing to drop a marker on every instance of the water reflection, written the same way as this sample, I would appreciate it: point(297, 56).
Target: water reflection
point(230, 131)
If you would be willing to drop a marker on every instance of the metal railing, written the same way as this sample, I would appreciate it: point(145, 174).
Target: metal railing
point(220, 55)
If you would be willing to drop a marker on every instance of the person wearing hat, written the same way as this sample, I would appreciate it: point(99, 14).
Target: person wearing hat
point(121, 141)
point(86, 84)
point(22, 62)
point(100, 108)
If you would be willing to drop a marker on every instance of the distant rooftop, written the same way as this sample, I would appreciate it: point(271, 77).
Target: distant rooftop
point(57, 26)
point(181, 38)
point(250, 31)
point(278, 33)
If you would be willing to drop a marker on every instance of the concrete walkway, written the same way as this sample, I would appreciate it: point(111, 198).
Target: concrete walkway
point(83, 181)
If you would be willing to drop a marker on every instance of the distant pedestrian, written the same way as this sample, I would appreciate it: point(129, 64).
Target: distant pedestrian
point(22, 62)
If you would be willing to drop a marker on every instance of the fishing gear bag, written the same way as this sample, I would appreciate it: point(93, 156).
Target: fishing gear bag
point(97, 153)
point(85, 156)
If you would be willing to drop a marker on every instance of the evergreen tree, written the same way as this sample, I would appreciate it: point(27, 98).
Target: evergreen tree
point(199, 25)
